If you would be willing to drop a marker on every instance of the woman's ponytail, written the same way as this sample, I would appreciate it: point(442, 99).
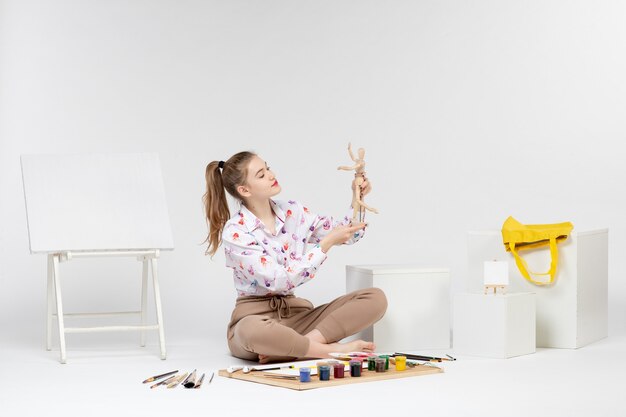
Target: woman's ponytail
point(215, 205)
point(231, 174)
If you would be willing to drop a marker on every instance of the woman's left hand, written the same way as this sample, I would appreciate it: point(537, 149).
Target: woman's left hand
point(366, 186)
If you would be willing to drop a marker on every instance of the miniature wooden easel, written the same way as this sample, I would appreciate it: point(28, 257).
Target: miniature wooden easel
point(97, 205)
point(496, 277)
point(357, 196)
point(494, 289)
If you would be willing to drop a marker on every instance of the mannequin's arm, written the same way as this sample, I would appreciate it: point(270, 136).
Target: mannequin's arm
point(347, 168)
point(350, 152)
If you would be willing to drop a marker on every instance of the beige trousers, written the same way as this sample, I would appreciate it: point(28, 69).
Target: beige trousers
point(275, 326)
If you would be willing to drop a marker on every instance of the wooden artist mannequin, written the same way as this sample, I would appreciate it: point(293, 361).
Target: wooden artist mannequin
point(359, 178)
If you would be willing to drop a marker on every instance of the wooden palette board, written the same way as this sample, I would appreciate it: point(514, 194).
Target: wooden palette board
point(366, 376)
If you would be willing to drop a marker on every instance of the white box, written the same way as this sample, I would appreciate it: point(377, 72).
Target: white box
point(418, 311)
point(572, 312)
point(494, 326)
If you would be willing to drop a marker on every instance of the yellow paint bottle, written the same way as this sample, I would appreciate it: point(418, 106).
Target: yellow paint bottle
point(400, 363)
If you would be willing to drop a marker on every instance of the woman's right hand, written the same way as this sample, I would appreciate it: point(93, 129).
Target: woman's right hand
point(340, 235)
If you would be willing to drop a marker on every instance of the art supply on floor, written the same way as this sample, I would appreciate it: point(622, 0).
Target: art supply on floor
point(380, 365)
point(424, 357)
point(410, 362)
point(199, 383)
point(279, 376)
point(212, 375)
point(305, 374)
point(386, 358)
point(248, 369)
point(233, 369)
point(400, 363)
point(320, 364)
point(154, 378)
point(324, 373)
point(190, 381)
point(186, 380)
point(177, 381)
point(355, 368)
point(293, 381)
point(339, 370)
point(164, 382)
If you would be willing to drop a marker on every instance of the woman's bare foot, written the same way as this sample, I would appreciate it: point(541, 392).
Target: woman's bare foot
point(319, 349)
point(353, 346)
point(323, 350)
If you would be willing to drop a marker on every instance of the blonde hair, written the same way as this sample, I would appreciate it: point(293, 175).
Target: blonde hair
point(232, 175)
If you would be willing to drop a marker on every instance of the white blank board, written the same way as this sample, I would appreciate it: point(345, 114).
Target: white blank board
point(95, 202)
point(496, 273)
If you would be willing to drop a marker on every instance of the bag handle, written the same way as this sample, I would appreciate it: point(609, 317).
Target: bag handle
point(523, 267)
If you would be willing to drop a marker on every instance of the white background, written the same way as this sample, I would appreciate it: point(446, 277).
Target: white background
point(468, 111)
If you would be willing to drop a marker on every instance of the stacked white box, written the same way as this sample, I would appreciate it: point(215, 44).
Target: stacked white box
point(494, 326)
point(418, 312)
point(572, 312)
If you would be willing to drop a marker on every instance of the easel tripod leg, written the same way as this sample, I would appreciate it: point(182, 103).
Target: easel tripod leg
point(50, 305)
point(157, 302)
point(59, 302)
point(144, 299)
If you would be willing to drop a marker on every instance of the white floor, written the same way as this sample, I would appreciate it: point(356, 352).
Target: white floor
point(107, 381)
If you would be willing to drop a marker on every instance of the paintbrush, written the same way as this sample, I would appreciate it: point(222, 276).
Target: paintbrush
point(154, 378)
point(177, 381)
point(281, 376)
point(190, 381)
point(248, 369)
point(199, 383)
point(424, 357)
point(165, 381)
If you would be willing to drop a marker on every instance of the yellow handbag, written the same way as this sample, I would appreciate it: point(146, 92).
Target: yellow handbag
point(517, 237)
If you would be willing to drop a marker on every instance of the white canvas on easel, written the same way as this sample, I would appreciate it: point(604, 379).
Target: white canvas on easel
point(496, 273)
point(496, 276)
point(97, 205)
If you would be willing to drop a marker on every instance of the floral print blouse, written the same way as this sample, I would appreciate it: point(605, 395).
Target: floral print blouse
point(269, 264)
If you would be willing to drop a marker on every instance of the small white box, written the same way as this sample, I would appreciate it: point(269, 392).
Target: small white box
point(572, 312)
point(418, 311)
point(494, 326)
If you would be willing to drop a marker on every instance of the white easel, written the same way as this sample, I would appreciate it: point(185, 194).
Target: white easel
point(97, 184)
point(148, 257)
